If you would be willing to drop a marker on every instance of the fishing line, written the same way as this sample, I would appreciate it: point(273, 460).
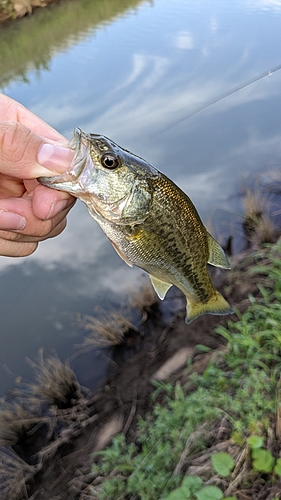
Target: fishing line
point(221, 96)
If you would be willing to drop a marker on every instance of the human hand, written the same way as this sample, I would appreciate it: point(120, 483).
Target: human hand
point(29, 148)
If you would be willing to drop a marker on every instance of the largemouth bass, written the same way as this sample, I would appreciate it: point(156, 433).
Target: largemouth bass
point(150, 222)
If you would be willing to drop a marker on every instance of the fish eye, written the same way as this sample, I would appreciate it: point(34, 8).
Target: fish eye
point(109, 160)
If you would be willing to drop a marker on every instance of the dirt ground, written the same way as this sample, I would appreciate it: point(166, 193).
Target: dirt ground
point(53, 453)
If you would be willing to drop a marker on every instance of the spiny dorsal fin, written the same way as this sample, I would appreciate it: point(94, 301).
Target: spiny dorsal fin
point(217, 256)
point(160, 286)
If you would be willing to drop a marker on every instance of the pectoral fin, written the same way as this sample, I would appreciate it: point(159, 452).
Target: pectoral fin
point(160, 286)
point(217, 256)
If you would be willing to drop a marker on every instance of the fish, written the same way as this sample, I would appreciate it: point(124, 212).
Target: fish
point(150, 221)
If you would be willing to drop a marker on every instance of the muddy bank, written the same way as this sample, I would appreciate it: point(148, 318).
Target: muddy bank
point(49, 429)
point(15, 9)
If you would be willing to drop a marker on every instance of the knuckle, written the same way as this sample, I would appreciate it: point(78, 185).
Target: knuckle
point(10, 236)
point(14, 140)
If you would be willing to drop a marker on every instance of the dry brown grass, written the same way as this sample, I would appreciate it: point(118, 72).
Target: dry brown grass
point(112, 328)
point(144, 299)
point(56, 382)
point(14, 476)
point(258, 226)
point(15, 423)
point(108, 330)
point(254, 203)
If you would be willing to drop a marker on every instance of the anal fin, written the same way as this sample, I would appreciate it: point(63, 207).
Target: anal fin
point(160, 287)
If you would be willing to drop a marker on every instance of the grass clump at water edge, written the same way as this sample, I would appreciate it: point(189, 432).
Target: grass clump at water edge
point(237, 398)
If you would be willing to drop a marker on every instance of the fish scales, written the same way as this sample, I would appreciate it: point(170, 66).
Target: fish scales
point(149, 220)
point(173, 246)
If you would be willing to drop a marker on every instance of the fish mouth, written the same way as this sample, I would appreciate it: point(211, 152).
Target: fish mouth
point(74, 178)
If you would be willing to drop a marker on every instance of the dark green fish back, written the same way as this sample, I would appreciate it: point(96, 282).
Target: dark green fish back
point(184, 238)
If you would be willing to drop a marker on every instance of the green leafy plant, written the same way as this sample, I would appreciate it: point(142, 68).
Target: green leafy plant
point(190, 485)
point(191, 488)
point(238, 384)
point(255, 442)
point(277, 468)
point(223, 463)
point(262, 460)
point(209, 493)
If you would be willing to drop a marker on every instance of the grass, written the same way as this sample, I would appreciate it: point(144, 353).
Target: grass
point(144, 300)
point(56, 382)
point(41, 419)
point(113, 327)
point(257, 224)
point(108, 330)
point(14, 474)
point(237, 397)
point(15, 423)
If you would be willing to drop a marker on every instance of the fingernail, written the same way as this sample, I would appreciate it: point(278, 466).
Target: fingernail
point(56, 207)
point(9, 221)
point(56, 158)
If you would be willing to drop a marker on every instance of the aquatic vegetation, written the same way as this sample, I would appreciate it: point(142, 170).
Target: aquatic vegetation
point(56, 382)
point(113, 327)
point(107, 330)
point(15, 423)
point(258, 226)
point(15, 474)
point(42, 418)
point(144, 299)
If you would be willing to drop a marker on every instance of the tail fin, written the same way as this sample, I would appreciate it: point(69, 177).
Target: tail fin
point(216, 305)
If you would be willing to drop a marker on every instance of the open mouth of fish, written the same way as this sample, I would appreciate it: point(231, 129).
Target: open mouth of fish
point(76, 178)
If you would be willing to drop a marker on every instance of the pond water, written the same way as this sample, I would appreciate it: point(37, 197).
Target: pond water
point(149, 75)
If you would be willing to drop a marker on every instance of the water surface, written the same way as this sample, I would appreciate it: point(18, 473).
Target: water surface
point(138, 72)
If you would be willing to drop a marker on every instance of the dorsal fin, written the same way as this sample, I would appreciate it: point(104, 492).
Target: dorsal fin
point(217, 256)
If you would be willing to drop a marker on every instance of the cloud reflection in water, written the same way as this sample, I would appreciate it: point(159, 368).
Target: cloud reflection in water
point(131, 79)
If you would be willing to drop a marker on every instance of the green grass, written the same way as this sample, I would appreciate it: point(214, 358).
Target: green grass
point(240, 385)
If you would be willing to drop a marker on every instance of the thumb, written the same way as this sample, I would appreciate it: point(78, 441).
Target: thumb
point(26, 155)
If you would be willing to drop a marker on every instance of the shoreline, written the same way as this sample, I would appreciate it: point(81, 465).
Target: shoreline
point(53, 426)
point(50, 428)
point(11, 10)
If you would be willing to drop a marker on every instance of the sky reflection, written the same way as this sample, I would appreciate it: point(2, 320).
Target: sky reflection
point(146, 78)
